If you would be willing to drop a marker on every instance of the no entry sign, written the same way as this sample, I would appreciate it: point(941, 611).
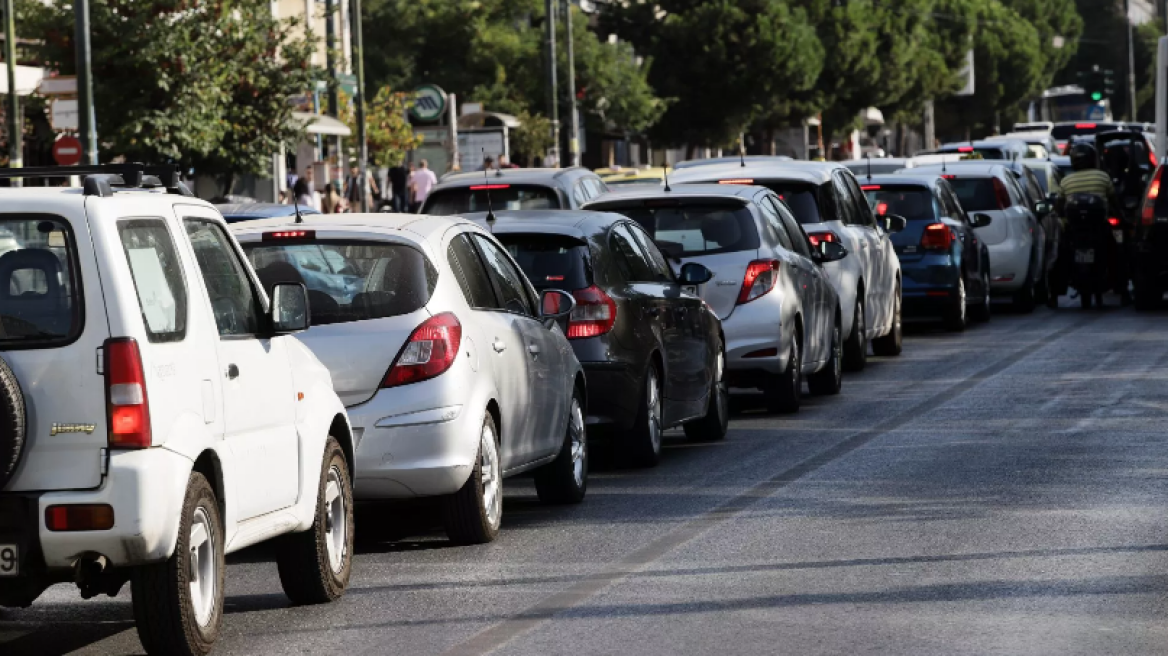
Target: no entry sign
point(67, 151)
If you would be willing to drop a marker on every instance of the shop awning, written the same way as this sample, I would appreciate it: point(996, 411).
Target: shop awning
point(321, 124)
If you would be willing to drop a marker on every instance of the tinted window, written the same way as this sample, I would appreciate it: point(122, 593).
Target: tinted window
point(632, 261)
point(551, 261)
point(804, 199)
point(975, 194)
point(795, 231)
point(661, 269)
point(509, 283)
point(464, 200)
point(692, 230)
point(468, 269)
point(847, 212)
point(157, 276)
point(911, 202)
point(580, 193)
point(40, 303)
point(857, 200)
point(234, 301)
point(351, 281)
point(1043, 181)
point(770, 214)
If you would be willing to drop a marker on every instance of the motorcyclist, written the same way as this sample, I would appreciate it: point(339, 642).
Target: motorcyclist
point(1088, 178)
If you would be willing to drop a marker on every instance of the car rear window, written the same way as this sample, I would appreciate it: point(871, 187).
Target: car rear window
point(912, 202)
point(1064, 132)
point(1043, 179)
point(803, 199)
point(684, 230)
point(40, 301)
point(348, 281)
point(551, 261)
point(464, 200)
point(157, 275)
point(975, 194)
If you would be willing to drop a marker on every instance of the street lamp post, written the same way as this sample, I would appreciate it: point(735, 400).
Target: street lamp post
point(15, 149)
point(86, 119)
point(574, 120)
point(359, 103)
point(553, 104)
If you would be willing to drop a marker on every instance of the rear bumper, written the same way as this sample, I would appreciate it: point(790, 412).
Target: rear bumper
point(750, 330)
point(614, 392)
point(929, 286)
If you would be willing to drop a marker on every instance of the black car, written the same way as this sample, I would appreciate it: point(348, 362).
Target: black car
point(513, 189)
point(1150, 274)
point(945, 267)
point(652, 352)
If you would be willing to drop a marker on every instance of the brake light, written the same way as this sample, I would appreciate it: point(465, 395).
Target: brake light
point(1148, 212)
point(817, 237)
point(80, 517)
point(937, 236)
point(1114, 221)
point(594, 314)
point(483, 187)
point(1002, 193)
point(1085, 126)
point(429, 352)
point(760, 278)
point(870, 187)
point(737, 181)
point(965, 149)
point(1152, 158)
point(289, 234)
point(127, 407)
point(949, 176)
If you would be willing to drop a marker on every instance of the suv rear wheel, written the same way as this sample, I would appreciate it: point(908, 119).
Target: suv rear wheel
point(315, 564)
point(474, 513)
point(178, 603)
point(565, 479)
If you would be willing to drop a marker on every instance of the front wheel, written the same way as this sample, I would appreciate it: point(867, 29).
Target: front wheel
point(473, 514)
point(713, 426)
point(178, 603)
point(893, 342)
point(565, 479)
point(314, 565)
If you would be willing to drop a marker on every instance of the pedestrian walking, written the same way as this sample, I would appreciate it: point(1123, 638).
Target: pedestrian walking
point(398, 176)
point(332, 202)
point(355, 191)
point(422, 181)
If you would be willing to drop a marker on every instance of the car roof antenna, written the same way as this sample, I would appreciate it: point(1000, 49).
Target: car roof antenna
point(487, 187)
point(943, 169)
point(868, 156)
point(296, 207)
point(741, 152)
point(665, 170)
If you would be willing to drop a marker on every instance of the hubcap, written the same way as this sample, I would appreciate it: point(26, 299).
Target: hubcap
point(203, 581)
point(489, 476)
point(654, 407)
point(336, 531)
point(577, 437)
point(961, 298)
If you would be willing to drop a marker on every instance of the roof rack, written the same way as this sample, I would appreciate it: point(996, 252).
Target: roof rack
point(100, 180)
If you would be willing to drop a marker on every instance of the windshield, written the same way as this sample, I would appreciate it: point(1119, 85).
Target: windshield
point(39, 299)
point(350, 281)
point(913, 203)
point(465, 200)
point(975, 194)
point(551, 261)
point(698, 229)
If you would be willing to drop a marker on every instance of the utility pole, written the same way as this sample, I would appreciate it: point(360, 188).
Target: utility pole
point(330, 46)
point(15, 144)
point(86, 119)
point(574, 125)
point(553, 105)
point(1131, 61)
point(359, 102)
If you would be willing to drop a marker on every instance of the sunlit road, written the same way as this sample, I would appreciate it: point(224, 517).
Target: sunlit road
point(1001, 491)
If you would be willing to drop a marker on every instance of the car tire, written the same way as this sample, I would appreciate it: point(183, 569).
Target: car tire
point(893, 342)
point(315, 565)
point(829, 379)
point(981, 311)
point(1024, 299)
point(955, 317)
point(13, 423)
point(856, 347)
point(178, 603)
point(643, 442)
point(783, 394)
point(565, 479)
point(1148, 296)
point(713, 426)
point(474, 513)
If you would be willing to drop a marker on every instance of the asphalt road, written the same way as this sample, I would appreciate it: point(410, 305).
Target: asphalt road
point(1001, 491)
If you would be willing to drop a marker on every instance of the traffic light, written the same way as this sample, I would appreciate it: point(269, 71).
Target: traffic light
point(1108, 84)
point(1098, 83)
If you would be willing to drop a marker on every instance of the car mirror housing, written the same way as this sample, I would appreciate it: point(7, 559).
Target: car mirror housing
point(289, 312)
point(693, 273)
point(1042, 208)
point(894, 223)
point(829, 251)
point(981, 220)
point(556, 306)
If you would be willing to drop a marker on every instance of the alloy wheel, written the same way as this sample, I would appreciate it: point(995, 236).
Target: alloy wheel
point(202, 566)
point(489, 476)
point(577, 436)
point(336, 520)
point(653, 405)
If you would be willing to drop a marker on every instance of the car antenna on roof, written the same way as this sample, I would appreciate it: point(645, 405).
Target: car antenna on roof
point(666, 173)
point(487, 188)
point(943, 169)
point(296, 207)
point(868, 156)
point(741, 152)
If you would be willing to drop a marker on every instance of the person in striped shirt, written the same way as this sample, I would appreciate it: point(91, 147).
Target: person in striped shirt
point(1088, 178)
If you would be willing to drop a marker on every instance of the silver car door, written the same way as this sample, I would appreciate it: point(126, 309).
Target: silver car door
point(880, 252)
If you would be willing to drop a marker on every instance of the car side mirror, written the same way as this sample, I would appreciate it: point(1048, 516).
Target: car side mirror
point(981, 220)
point(556, 306)
point(828, 251)
point(894, 223)
point(693, 273)
point(289, 312)
point(1042, 208)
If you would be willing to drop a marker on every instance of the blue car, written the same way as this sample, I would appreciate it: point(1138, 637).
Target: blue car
point(945, 267)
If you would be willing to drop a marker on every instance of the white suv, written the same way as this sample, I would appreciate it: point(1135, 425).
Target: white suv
point(155, 414)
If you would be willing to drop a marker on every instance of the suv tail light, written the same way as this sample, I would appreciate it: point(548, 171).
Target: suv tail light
point(594, 314)
point(760, 278)
point(937, 236)
point(428, 352)
point(1148, 212)
point(127, 407)
point(1002, 193)
point(816, 237)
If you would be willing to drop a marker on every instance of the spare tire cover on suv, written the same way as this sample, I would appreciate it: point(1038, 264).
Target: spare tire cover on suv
point(12, 423)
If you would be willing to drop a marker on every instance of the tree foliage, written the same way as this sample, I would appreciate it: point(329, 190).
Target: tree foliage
point(388, 134)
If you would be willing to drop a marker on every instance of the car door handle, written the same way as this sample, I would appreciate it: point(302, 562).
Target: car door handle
point(498, 345)
point(232, 371)
point(533, 349)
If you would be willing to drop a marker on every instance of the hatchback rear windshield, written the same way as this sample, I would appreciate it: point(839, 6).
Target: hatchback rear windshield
point(551, 261)
point(348, 281)
point(464, 200)
point(40, 300)
point(1064, 132)
point(913, 203)
point(698, 229)
point(975, 194)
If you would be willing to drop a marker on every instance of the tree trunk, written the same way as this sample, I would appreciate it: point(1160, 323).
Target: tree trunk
point(228, 183)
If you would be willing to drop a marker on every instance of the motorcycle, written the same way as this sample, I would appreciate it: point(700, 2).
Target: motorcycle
point(1094, 239)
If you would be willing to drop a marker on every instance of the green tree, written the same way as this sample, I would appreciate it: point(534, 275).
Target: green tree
point(1103, 44)
point(388, 134)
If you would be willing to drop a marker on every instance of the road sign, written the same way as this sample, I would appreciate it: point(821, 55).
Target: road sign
point(67, 151)
point(429, 102)
point(63, 114)
point(62, 85)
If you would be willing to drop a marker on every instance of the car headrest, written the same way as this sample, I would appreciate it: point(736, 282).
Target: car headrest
point(26, 259)
point(722, 229)
point(278, 272)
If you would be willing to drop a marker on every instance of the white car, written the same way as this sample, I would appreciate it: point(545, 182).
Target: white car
point(155, 412)
point(827, 201)
point(1015, 237)
point(453, 375)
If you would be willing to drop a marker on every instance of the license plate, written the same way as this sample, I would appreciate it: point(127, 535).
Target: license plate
point(1085, 257)
point(1118, 234)
point(9, 561)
